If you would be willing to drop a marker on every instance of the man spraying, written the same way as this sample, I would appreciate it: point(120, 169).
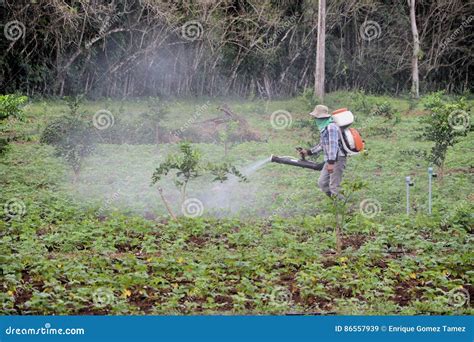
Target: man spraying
point(334, 156)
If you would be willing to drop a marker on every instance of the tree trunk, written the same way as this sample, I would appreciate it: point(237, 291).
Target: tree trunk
point(415, 89)
point(168, 207)
point(320, 52)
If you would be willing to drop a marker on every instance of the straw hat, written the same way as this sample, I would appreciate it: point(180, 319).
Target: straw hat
point(320, 112)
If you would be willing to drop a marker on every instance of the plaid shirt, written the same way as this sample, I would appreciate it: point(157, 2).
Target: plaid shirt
point(328, 143)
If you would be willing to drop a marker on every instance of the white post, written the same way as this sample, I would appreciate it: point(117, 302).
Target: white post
point(430, 176)
point(408, 181)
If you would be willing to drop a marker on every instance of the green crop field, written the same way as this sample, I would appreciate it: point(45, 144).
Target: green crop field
point(103, 242)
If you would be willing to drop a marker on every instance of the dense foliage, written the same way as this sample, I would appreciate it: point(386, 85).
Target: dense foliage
point(247, 47)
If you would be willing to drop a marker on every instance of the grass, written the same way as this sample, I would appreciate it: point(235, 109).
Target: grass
point(105, 245)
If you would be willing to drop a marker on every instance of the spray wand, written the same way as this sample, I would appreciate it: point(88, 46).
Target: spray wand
point(302, 162)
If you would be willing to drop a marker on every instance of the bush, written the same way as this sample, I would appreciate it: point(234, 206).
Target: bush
point(361, 102)
point(308, 98)
point(383, 109)
point(10, 105)
point(71, 136)
point(447, 122)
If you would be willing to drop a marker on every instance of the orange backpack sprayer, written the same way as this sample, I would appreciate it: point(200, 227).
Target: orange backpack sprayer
point(350, 138)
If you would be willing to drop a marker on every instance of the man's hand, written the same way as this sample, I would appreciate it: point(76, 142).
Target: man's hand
point(330, 168)
point(303, 152)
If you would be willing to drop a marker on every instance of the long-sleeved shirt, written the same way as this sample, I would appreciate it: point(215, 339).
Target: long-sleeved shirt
point(328, 143)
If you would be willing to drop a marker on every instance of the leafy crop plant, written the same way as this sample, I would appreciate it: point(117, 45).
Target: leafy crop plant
point(188, 165)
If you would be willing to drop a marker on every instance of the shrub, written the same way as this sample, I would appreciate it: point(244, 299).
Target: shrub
point(443, 126)
point(308, 98)
point(157, 112)
point(361, 102)
point(71, 136)
point(10, 105)
point(383, 109)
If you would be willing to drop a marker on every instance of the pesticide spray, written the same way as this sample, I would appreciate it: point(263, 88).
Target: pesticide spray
point(118, 178)
point(228, 197)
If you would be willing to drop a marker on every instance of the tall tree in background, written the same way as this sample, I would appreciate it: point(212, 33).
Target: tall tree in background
point(320, 52)
point(415, 89)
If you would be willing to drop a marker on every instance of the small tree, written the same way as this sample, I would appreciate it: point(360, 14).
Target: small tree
point(226, 135)
point(157, 111)
point(339, 207)
point(71, 136)
point(447, 122)
point(383, 109)
point(188, 165)
point(10, 106)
